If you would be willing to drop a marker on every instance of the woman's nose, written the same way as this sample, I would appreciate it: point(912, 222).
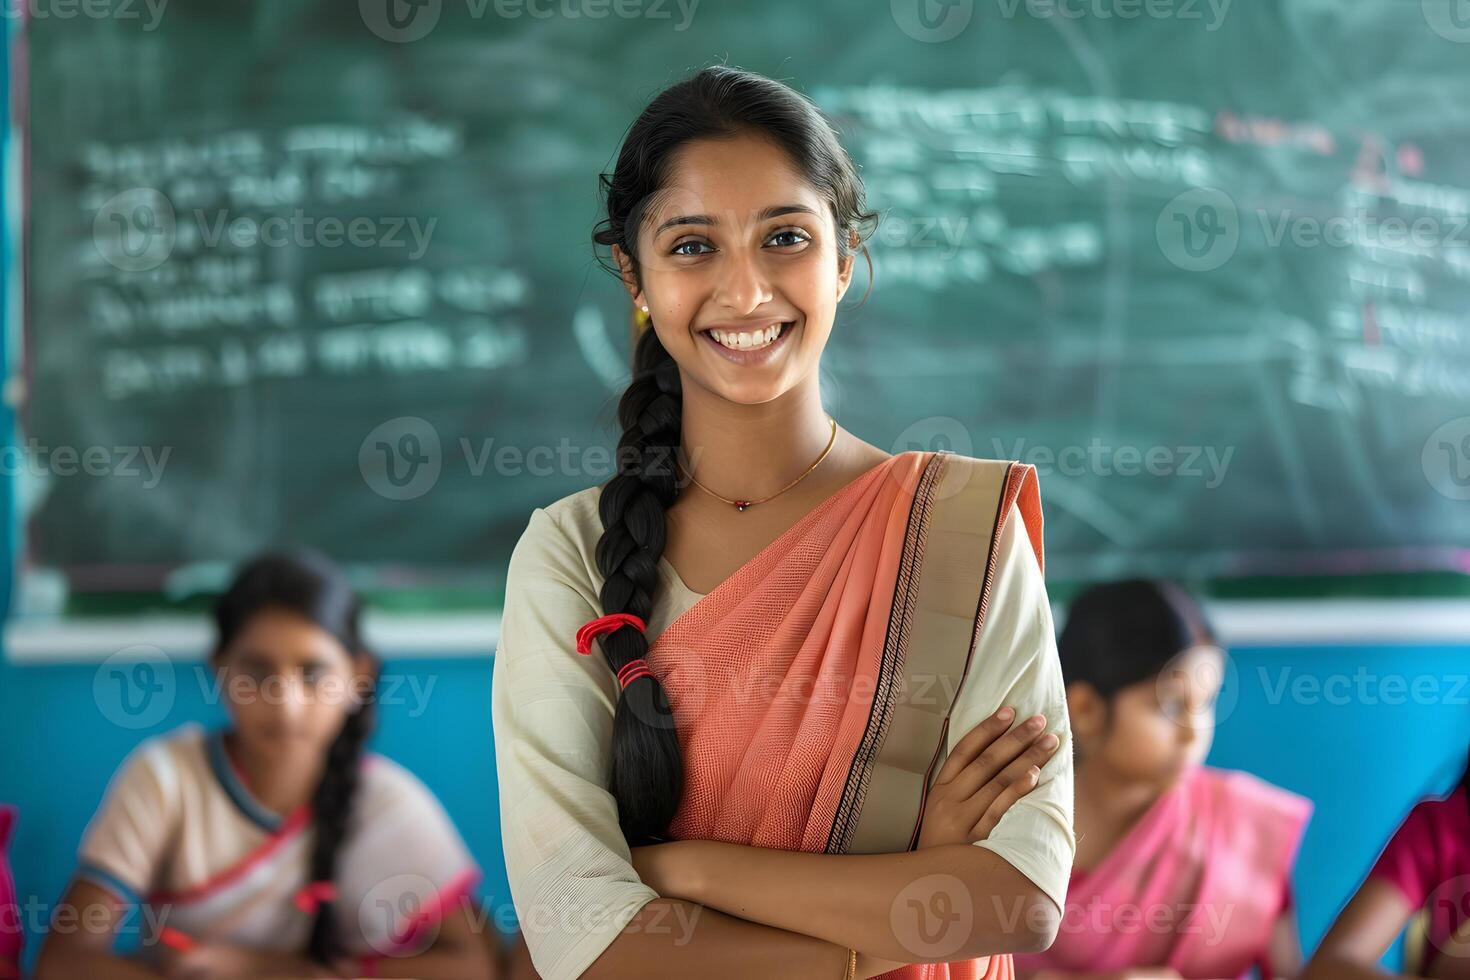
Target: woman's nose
point(744, 286)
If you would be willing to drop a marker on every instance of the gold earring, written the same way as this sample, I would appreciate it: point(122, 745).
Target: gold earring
point(642, 318)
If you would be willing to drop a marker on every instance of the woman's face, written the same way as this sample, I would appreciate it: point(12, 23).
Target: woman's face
point(739, 241)
point(1154, 729)
point(288, 683)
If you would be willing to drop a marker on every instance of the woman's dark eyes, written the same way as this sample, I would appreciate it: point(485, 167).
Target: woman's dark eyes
point(796, 238)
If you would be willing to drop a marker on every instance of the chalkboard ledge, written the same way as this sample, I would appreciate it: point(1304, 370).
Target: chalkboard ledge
point(1240, 622)
point(96, 639)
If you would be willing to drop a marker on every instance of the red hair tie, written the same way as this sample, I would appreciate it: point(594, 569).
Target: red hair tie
point(312, 894)
point(605, 624)
point(173, 938)
point(632, 670)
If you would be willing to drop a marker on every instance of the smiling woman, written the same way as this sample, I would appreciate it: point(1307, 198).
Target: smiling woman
point(791, 757)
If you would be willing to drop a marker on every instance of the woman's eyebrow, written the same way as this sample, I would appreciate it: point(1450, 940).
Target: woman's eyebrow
point(704, 219)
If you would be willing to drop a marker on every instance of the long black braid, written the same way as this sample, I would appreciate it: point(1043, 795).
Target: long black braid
point(632, 508)
point(331, 807)
point(716, 103)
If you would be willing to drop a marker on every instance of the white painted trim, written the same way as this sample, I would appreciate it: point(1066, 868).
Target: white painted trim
point(1340, 622)
point(44, 641)
point(1255, 622)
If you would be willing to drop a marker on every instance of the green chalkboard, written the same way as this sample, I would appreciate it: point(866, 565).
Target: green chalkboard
point(318, 273)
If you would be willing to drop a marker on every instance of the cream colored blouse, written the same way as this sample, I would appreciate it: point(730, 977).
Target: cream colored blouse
point(571, 879)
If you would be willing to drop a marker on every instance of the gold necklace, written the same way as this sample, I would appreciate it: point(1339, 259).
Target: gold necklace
point(742, 504)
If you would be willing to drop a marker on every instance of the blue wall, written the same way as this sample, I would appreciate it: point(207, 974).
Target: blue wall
point(1363, 763)
point(1352, 741)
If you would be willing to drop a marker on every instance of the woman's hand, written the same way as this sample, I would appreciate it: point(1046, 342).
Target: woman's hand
point(988, 771)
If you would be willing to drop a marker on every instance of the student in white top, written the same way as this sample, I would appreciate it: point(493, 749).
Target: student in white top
point(276, 846)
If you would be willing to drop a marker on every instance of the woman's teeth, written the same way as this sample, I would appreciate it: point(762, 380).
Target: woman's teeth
point(748, 341)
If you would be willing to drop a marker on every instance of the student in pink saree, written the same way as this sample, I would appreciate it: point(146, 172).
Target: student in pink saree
point(1196, 886)
point(1199, 883)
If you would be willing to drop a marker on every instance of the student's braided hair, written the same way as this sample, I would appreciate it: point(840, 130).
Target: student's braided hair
point(309, 585)
point(718, 103)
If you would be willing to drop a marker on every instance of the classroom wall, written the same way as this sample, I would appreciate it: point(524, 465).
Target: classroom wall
point(1362, 758)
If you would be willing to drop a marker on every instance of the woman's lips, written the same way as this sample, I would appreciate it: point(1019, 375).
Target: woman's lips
point(757, 356)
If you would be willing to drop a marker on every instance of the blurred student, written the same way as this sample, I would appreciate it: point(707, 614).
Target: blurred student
point(1182, 870)
point(1422, 880)
point(276, 845)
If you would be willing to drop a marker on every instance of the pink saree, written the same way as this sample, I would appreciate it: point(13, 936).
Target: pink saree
point(803, 685)
point(1197, 885)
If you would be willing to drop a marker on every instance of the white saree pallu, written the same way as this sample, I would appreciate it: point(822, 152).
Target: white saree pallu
point(179, 834)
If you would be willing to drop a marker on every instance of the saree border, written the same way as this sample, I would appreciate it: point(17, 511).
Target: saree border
point(895, 648)
point(939, 609)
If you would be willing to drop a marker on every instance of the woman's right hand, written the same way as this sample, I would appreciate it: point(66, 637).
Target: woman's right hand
point(988, 771)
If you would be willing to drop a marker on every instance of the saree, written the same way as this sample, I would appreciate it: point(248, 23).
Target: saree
point(181, 838)
point(1196, 885)
point(803, 686)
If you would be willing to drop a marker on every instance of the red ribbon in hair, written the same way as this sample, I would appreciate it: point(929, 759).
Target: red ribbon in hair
point(173, 938)
point(605, 624)
point(312, 894)
point(632, 670)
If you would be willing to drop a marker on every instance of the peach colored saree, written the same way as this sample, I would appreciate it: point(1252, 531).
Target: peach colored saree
point(803, 686)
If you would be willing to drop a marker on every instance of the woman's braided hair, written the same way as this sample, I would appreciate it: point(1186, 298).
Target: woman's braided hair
point(716, 103)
